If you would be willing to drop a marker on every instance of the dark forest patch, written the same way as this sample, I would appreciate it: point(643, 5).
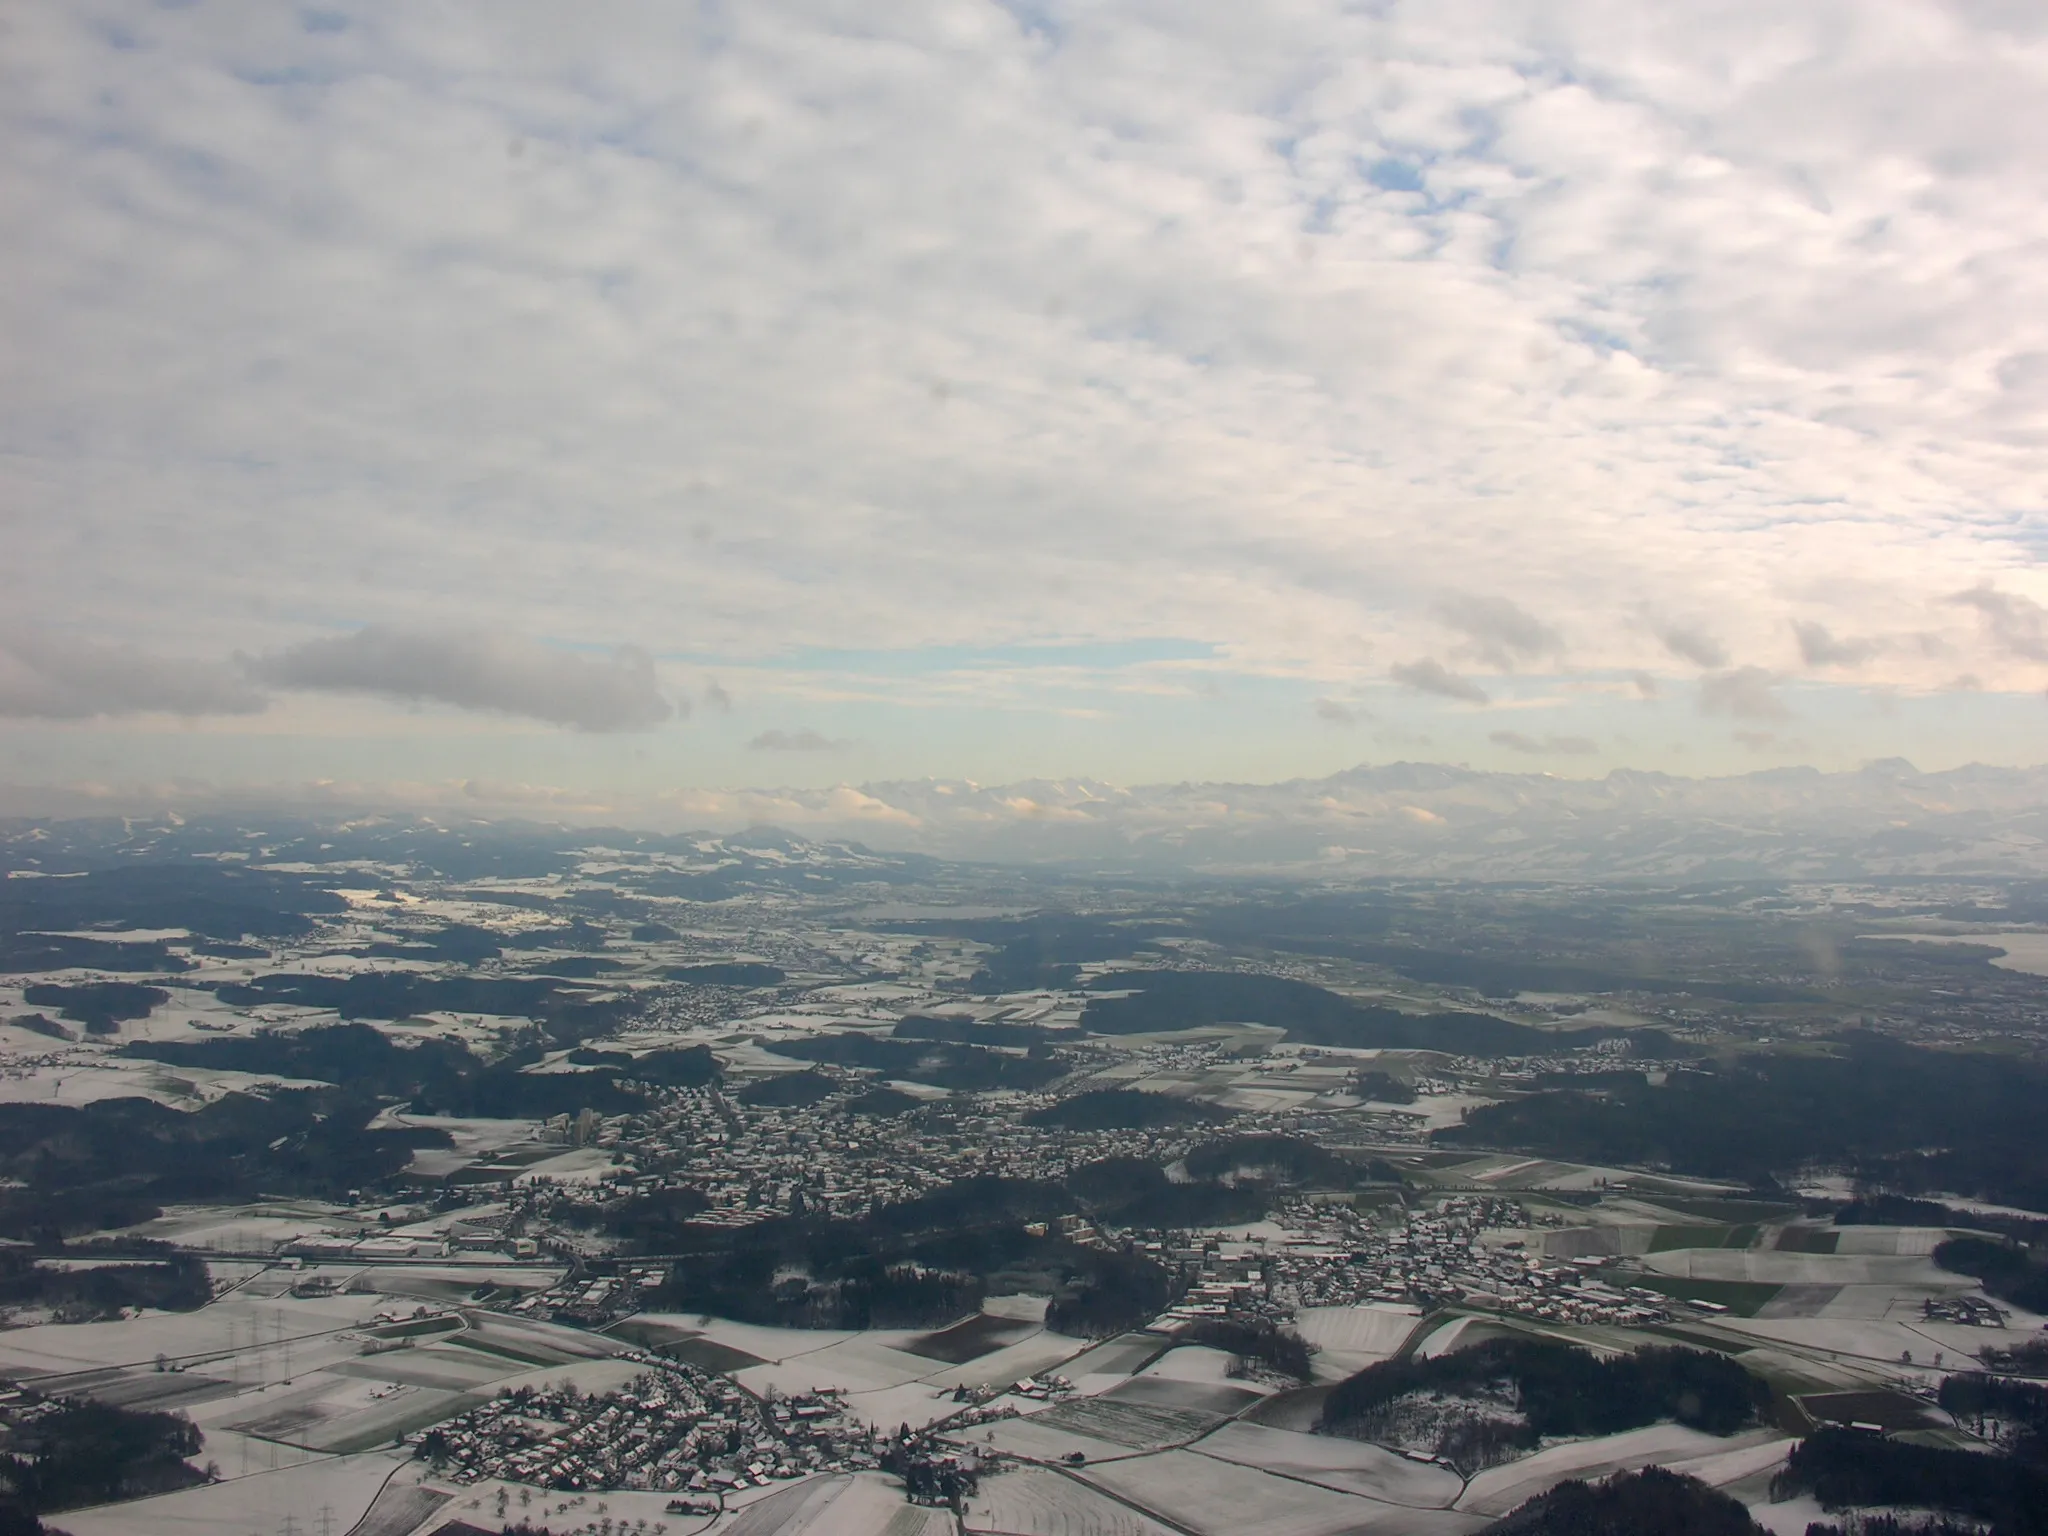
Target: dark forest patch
point(101, 1006)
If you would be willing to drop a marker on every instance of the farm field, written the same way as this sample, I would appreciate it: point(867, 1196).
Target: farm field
point(1351, 1338)
point(345, 1487)
point(1499, 1489)
point(1349, 1466)
point(1215, 1498)
point(842, 1505)
point(1031, 1501)
point(1772, 1268)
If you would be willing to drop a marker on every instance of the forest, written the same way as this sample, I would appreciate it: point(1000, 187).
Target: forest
point(1874, 1104)
point(1652, 1502)
point(442, 1076)
point(120, 1161)
point(1561, 1389)
point(1846, 1469)
point(216, 901)
point(2008, 1271)
point(567, 1012)
point(966, 1031)
point(942, 1063)
point(2016, 1411)
point(1311, 1015)
point(88, 1453)
point(1124, 1109)
point(177, 1282)
point(919, 1263)
point(101, 1006)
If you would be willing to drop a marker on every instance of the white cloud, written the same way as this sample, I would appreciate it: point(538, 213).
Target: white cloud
point(769, 332)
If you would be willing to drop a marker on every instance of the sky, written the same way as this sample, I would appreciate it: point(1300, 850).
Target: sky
point(610, 398)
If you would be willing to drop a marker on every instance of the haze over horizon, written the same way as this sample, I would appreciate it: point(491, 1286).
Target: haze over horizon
point(587, 411)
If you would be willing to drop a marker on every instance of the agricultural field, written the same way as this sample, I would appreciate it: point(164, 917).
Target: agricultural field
point(843, 1505)
point(1212, 1497)
point(1348, 1466)
point(343, 1487)
point(1497, 1490)
point(1032, 1501)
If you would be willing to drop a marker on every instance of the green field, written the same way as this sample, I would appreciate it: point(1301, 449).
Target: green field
point(507, 1351)
point(1745, 1298)
point(416, 1328)
point(1729, 1212)
point(1665, 1239)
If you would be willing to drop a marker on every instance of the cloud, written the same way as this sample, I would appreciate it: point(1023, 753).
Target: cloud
point(1756, 741)
point(794, 741)
point(474, 669)
point(1647, 687)
point(1691, 644)
point(1545, 746)
point(1338, 713)
point(1819, 648)
point(1354, 309)
point(2018, 625)
point(1744, 693)
point(1501, 630)
point(715, 697)
point(43, 676)
point(1428, 675)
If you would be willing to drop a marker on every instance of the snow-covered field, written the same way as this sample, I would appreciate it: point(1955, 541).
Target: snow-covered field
point(1351, 1338)
point(1773, 1268)
point(1349, 1466)
point(1499, 1489)
point(1217, 1498)
point(343, 1487)
point(1028, 1501)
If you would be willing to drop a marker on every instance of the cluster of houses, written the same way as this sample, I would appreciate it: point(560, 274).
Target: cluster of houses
point(1437, 1255)
point(673, 1429)
point(752, 1162)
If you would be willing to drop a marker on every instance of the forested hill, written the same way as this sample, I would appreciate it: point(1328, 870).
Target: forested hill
point(1312, 1015)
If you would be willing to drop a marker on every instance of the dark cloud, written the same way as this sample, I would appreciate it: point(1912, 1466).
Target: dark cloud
point(1338, 713)
point(1501, 630)
point(1689, 643)
point(1429, 675)
point(716, 697)
point(1545, 746)
point(1646, 686)
point(472, 669)
point(1819, 648)
point(794, 741)
point(2018, 624)
point(48, 678)
point(1744, 693)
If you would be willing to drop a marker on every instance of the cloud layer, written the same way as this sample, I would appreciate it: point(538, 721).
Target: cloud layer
point(1421, 355)
point(477, 670)
point(46, 677)
point(793, 741)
